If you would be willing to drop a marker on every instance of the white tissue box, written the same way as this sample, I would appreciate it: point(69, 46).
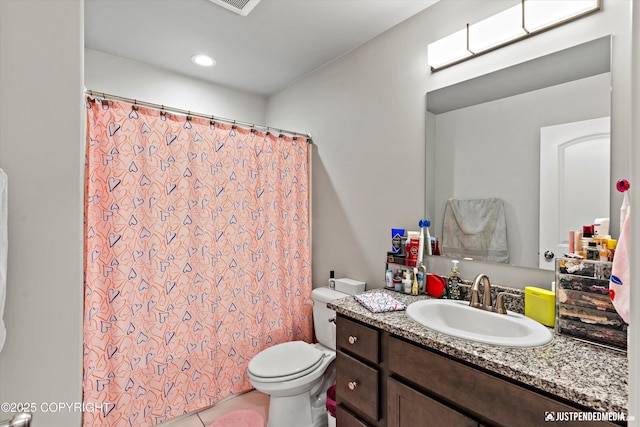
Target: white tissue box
point(350, 286)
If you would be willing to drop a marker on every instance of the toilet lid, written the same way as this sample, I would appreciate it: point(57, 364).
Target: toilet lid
point(286, 359)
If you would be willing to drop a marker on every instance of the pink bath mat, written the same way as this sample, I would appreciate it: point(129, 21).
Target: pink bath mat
point(240, 418)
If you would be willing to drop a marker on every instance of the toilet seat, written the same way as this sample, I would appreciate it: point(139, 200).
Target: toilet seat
point(286, 361)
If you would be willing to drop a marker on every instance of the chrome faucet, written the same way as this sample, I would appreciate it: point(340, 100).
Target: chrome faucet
point(486, 294)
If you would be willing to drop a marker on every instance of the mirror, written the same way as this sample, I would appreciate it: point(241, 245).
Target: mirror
point(484, 135)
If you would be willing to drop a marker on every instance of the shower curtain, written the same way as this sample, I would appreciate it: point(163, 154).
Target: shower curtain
point(197, 257)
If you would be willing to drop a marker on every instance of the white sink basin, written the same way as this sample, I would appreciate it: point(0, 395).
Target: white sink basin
point(457, 319)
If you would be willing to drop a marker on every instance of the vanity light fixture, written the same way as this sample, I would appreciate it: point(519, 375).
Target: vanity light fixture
point(203, 60)
point(524, 20)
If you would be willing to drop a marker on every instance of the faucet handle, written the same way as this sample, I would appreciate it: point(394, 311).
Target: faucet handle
point(499, 306)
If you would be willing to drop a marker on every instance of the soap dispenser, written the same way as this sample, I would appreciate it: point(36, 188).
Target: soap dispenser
point(453, 288)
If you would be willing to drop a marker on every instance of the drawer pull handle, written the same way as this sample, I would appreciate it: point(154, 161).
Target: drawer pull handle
point(352, 385)
point(352, 339)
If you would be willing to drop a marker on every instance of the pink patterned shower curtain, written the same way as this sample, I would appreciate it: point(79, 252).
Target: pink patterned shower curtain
point(197, 257)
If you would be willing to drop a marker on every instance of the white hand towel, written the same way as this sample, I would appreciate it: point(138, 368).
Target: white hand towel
point(4, 239)
point(475, 228)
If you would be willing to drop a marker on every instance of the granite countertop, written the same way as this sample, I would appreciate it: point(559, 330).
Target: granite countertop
point(584, 373)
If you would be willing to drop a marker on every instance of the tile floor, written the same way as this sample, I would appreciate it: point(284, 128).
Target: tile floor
point(254, 400)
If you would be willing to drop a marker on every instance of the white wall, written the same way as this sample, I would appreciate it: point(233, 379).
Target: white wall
point(366, 111)
point(131, 79)
point(41, 152)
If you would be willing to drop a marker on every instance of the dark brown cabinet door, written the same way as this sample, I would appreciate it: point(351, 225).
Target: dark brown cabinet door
point(407, 407)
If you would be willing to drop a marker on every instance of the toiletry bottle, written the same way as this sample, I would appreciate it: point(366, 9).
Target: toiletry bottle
point(579, 249)
point(388, 279)
point(592, 251)
point(604, 250)
point(572, 241)
point(421, 286)
point(332, 280)
point(452, 283)
point(397, 282)
point(406, 282)
point(611, 245)
point(587, 237)
point(414, 286)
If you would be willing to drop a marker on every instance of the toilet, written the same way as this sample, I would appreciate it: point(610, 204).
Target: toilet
point(296, 375)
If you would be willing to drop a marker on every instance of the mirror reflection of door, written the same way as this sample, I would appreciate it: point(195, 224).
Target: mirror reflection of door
point(574, 182)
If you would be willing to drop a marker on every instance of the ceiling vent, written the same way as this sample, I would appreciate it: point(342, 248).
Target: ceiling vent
point(241, 7)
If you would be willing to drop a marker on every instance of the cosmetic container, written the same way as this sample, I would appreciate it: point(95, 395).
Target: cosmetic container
point(539, 305)
point(397, 283)
point(421, 286)
point(601, 227)
point(332, 280)
point(388, 279)
point(414, 285)
point(406, 283)
point(572, 242)
point(604, 252)
point(611, 246)
point(578, 250)
point(396, 240)
point(592, 251)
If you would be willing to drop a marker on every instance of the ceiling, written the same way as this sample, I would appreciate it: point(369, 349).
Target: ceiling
point(262, 53)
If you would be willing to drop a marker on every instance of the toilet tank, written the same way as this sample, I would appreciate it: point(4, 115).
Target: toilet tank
point(325, 330)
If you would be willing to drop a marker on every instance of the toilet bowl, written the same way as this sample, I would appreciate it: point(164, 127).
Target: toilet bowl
point(293, 375)
point(296, 374)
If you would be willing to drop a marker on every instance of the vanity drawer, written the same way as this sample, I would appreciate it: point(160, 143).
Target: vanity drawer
point(358, 339)
point(357, 386)
point(477, 392)
point(344, 418)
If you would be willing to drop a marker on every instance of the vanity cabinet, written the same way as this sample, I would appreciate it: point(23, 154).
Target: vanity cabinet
point(385, 380)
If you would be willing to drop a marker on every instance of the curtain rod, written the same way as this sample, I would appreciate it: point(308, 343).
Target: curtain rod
point(102, 95)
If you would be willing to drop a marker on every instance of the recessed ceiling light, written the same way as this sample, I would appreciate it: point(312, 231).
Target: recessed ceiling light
point(203, 60)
